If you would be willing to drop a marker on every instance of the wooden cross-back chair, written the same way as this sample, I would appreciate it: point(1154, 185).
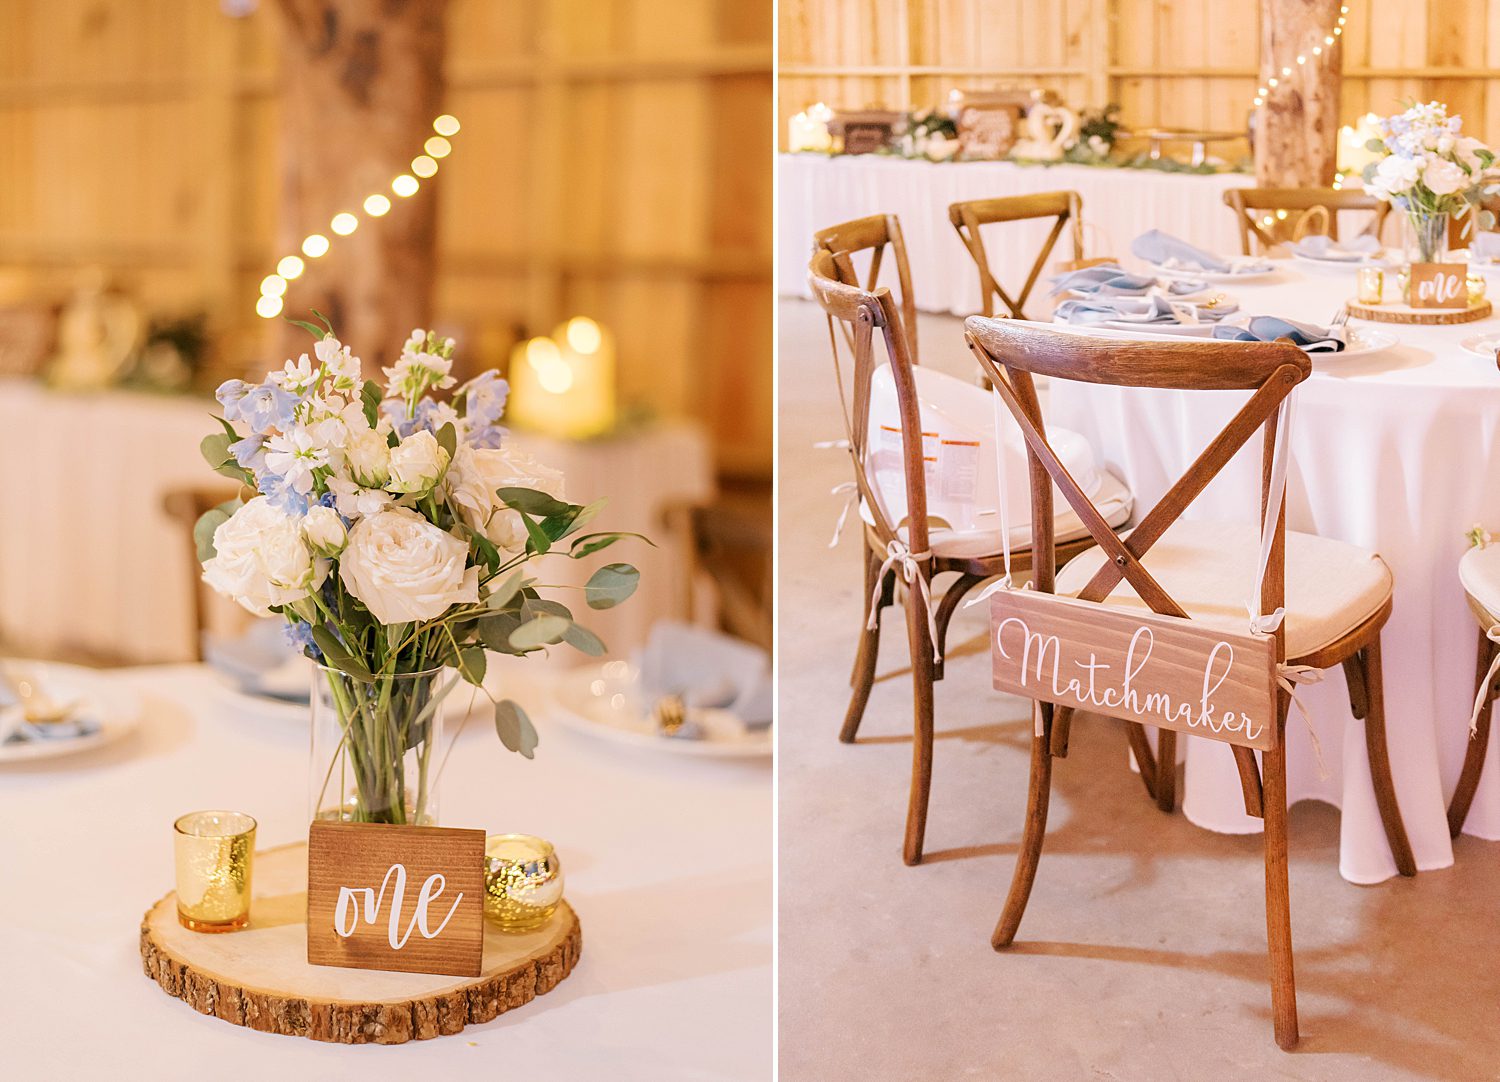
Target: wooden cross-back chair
point(1342, 626)
point(1302, 205)
point(1479, 572)
point(874, 234)
point(863, 315)
point(967, 218)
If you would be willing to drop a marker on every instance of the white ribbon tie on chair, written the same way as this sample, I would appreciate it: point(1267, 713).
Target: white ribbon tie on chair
point(1493, 634)
point(898, 555)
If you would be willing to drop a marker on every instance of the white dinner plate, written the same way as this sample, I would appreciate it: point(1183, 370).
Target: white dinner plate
point(1482, 345)
point(100, 697)
point(1313, 262)
point(1358, 342)
point(1213, 276)
point(605, 701)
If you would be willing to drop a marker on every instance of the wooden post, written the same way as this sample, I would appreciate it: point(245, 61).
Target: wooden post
point(1296, 141)
point(363, 81)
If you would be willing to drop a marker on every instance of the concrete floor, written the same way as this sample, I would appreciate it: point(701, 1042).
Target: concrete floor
point(1142, 954)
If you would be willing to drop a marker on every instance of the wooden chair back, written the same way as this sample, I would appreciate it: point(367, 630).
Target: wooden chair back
point(967, 218)
point(874, 235)
point(186, 505)
point(1251, 206)
point(863, 314)
point(730, 547)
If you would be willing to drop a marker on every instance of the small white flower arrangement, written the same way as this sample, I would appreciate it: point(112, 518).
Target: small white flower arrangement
point(1431, 170)
point(394, 530)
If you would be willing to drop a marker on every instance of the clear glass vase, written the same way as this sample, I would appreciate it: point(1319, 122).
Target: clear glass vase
point(1429, 237)
point(377, 746)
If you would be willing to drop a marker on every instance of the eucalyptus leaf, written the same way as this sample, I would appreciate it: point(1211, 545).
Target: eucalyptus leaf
point(505, 593)
point(215, 448)
point(538, 541)
point(541, 631)
point(371, 395)
point(471, 664)
point(338, 655)
point(584, 516)
point(515, 729)
point(581, 638)
point(591, 543)
point(203, 532)
point(532, 502)
point(536, 606)
point(495, 631)
point(610, 585)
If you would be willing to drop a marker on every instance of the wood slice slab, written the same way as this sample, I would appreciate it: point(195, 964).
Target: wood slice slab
point(1405, 313)
point(260, 977)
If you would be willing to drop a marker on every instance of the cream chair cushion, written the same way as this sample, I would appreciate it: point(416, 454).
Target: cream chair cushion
point(1113, 501)
point(1479, 571)
point(1209, 567)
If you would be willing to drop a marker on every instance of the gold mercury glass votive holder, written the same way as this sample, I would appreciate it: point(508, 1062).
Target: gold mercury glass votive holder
point(523, 882)
point(1476, 289)
point(215, 851)
point(1370, 284)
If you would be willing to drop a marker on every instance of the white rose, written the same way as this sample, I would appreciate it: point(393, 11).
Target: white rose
point(261, 559)
point(369, 459)
point(468, 491)
point(1443, 177)
point(324, 531)
point(511, 467)
point(416, 463)
point(406, 569)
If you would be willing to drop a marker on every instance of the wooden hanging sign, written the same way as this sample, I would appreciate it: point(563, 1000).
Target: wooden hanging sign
point(1156, 670)
point(1439, 285)
point(402, 898)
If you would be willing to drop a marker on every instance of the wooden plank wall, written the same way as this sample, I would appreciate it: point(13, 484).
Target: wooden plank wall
point(614, 161)
point(1177, 63)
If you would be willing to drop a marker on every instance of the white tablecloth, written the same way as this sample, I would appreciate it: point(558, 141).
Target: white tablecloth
point(667, 861)
point(90, 563)
point(1118, 204)
point(1395, 452)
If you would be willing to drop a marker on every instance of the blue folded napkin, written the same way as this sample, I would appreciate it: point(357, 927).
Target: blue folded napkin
point(1356, 250)
point(1168, 251)
point(707, 669)
point(1143, 310)
point(1311, 338)
point(1113, 280)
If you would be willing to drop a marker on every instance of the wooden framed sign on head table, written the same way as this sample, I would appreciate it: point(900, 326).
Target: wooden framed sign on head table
point(1147, 668)
point(395, 897)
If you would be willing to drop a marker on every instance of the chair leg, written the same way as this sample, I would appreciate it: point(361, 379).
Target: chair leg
point(1278, 895)
point(1380, 760)
point(862, 679)
point(1145, 758)
point(952, 596)
point(1030, 852)
point(1468, 778)
point(1166, 769)
point(921, 751)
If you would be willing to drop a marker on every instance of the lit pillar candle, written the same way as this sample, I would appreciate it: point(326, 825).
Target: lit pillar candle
point(809, 130)
point(564, 385)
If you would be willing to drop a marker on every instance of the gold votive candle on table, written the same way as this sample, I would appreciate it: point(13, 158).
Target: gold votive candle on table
point(1370, 285)
point(523, 882)
point(214, 852)
point(1476, 285)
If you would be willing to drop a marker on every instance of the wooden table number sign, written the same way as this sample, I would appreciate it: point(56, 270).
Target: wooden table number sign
point(1439, 285)
point(1155, 670)
point(395, 897)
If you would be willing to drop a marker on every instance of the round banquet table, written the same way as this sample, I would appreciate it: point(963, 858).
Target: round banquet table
point(1396, 452)
point(668, 864)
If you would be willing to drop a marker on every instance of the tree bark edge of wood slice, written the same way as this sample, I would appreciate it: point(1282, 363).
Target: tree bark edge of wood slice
point(1428, 316)
point(230, 982)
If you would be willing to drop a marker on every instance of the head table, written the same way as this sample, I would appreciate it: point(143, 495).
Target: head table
point(1396, 452)
point(667, 862)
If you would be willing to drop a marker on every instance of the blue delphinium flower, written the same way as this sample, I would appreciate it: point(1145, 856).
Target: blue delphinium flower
point(249, 452)
point(299, 635)
point(261, 407)
point(487, 437)
point(401, 421)
point(484, 402)
point(282, 495)
point(230, 393)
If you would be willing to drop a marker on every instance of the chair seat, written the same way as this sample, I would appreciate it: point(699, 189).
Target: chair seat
point(1209, 567)
point(1479, 571)
point(1113, 500)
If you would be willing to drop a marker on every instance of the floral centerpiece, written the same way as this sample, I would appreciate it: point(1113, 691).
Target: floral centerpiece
point(394, 531)
point(1431, 171)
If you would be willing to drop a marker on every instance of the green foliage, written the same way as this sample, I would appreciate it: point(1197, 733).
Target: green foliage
point(610, 585)
point(208, 522)
point(338, 655)
point(371, 396)
point(515, 729)
point(471, 664)
point(544, 630)
point(215, 451)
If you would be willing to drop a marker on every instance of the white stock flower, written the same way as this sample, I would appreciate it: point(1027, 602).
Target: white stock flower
point(354, 502)
point(368, 457)
point(296, 377)
point(295, 455)
point(416, 463)
point(406, 569)
point(324, 531)
point(343, 368)
point(261, 559)
point(1443, 177)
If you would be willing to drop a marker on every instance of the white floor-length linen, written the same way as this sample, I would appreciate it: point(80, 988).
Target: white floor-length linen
point(816, 192)
point(667, 862)
point(1395, 452)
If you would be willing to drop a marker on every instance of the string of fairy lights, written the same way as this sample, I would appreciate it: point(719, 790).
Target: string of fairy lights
point(424, 166)
point(1263, 92)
